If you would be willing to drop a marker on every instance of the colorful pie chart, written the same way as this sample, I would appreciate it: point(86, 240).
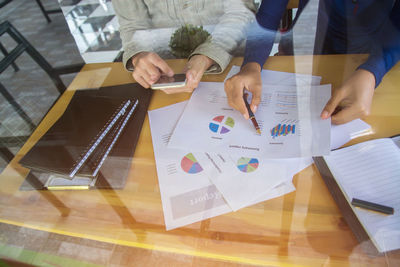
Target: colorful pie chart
point(247, 164)
point(190, 165)
point(221, 124)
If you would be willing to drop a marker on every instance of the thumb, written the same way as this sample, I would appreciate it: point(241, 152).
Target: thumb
point(189, 76)
point(331, 106)
point(190, 79)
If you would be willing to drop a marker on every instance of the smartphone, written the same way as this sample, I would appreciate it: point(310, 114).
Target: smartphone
point(178, 80)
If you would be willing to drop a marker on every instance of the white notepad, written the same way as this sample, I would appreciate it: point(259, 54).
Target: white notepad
point(371, 171)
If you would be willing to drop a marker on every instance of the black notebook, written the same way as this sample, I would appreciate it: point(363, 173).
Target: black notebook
point(92, 143)
point(77, 142)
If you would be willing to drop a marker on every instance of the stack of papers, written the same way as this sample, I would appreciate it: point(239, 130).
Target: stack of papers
point(210, 161)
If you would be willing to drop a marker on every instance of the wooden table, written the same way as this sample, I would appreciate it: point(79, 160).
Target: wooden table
point(304, 227)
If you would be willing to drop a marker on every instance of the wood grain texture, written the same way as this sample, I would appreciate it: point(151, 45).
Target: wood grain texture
point(303, 228)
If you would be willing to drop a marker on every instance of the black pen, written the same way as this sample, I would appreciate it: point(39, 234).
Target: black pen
point(372, 206)
point(251, 114)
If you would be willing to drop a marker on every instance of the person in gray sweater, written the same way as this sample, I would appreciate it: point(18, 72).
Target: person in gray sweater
point(228, 18)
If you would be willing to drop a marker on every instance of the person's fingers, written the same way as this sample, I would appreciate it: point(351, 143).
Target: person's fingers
point(197, 75)
point(351, 111)
point(332, 104)
point(193, 78)
point(177, 90)
point(146, 76)
point(167, 91)
point(241, 106)
point(142, 75)
point(345, 115)
point(141, 81)
point(255, 101)
point(234, 92)
point(190, 79)
point(161, 64)
point(151, 73)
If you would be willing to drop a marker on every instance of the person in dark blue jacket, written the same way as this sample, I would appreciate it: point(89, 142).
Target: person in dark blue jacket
point(343, 27)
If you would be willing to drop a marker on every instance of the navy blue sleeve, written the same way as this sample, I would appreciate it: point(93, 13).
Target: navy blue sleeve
point(261, 33)
point(258, 44)
point(270, 13)
point(388, 54)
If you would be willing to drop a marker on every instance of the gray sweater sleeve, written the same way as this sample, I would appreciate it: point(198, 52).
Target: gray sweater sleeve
point(132, 16)
point(227, 35)
point(137, 27)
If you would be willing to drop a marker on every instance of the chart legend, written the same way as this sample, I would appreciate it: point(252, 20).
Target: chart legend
point(286, 100)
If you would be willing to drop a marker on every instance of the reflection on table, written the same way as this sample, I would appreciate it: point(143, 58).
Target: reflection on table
point(304, 227)
point(94, 27)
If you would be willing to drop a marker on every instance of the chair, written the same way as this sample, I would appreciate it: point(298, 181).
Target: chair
point(285, 46)
point(9, 59)
point(287, 19)
point(47, 12)
point(4, 3)
point(39, 2)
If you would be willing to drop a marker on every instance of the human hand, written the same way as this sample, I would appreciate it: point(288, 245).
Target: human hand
point(194, 69)
point(352, 100)
point(148, 68)
point(248, 78)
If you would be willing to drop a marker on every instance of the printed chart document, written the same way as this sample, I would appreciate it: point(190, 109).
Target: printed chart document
point(282, 78)
point(190, 195)
point(289, 118)
point(371, 171)
point(242, 180)
point(187, 193)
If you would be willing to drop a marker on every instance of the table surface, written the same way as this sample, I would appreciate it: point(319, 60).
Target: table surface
point(304, 227)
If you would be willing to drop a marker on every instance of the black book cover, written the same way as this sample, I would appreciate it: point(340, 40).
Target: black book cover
point(114, 170)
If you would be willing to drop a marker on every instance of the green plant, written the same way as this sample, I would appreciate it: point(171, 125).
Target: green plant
point(185, 40)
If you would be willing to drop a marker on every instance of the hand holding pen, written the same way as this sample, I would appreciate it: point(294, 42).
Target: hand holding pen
point(248, 78)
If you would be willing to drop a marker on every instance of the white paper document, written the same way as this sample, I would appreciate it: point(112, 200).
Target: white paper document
point(282, 78)
point(242, 180)
point(187, 193)
point(340, 134)
point(371, 171)
point(214, 170)
point(181, 194)
point(289, 118)
point(343, 133)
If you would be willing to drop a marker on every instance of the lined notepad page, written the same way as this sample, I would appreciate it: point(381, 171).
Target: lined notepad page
point(371, 171)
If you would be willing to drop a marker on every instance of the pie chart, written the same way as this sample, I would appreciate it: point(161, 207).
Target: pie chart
point(247, 164)
point(221, 124)
point(190, 165)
